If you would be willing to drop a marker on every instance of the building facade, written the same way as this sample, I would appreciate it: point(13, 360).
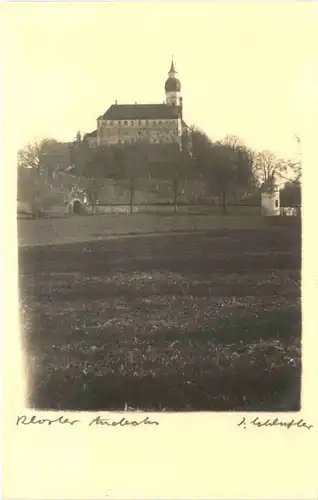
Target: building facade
point(150, 123)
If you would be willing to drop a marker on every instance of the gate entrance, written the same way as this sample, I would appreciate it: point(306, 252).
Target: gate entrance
point(77, 207)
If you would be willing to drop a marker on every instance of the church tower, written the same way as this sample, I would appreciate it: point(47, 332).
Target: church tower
point(173, 88)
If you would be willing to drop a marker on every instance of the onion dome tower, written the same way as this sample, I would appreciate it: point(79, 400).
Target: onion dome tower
point(173, 88)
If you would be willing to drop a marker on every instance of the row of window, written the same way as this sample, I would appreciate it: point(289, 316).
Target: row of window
point(140, 134)
point(136, 122)
point(133, 140)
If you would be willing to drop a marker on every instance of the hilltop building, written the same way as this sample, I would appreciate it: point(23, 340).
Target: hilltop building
point(150, 123)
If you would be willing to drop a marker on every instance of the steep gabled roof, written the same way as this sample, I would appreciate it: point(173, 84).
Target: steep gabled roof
point(91, 134)
point(141, 112)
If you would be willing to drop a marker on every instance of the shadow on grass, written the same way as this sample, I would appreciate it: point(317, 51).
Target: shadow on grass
point(247, 384)
point(249, 390)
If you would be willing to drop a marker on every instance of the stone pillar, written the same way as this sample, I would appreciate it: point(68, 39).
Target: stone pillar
point(270, 202)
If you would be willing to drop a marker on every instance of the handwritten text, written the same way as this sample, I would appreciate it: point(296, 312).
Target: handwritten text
point(96, 421)
point(270, 422)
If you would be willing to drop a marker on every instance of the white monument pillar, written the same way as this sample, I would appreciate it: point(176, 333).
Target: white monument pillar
point(270, 201)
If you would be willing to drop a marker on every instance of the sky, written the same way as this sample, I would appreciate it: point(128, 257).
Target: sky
point(245, 68)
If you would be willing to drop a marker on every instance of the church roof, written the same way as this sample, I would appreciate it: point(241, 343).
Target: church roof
point(91, 134)
point(141, 111)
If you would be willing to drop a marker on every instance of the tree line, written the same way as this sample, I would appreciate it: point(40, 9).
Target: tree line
point(230, 169)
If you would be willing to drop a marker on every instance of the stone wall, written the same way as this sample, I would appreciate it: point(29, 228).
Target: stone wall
point(155, 191)
point(149, 194)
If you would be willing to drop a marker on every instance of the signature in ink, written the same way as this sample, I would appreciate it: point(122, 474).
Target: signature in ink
point(275, 422)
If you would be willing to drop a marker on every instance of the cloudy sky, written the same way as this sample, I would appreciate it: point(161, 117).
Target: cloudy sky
point(245, 68)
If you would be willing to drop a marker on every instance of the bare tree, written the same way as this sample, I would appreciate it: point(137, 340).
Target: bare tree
point(232, 141)
point(269, 169)
point(47, 155)
point(37, 163)
point(297, 169)
point(34, 187)
point(33, 155)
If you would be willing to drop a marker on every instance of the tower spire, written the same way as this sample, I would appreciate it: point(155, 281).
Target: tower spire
point(172, 86)
point(172, 71)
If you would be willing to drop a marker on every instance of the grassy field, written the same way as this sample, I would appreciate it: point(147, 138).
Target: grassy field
point(55, 230)
point(208, 321)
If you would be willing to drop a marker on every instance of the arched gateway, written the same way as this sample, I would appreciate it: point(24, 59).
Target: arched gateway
point(77, 200)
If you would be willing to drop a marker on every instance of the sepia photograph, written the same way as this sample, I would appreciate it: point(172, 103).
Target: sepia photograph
point(159, 207)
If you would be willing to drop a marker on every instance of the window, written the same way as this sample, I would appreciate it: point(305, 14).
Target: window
point(111, 124)
point(132, 122)
point(276, 203)
point(147, 122)
point(139, 122)
point(154, 122)
point(119, 123)
point(125, 123)
point(160, 122)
